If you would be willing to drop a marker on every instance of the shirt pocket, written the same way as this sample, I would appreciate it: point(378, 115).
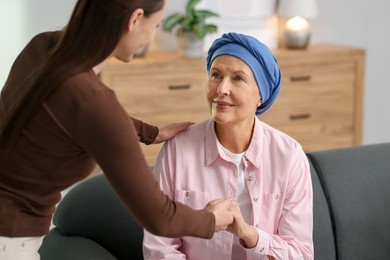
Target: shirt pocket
point(273, 202)
point(272, 198)
point(194, 199)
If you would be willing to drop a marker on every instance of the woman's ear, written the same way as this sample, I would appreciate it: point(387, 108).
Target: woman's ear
point(260, 102)
point(134, 18)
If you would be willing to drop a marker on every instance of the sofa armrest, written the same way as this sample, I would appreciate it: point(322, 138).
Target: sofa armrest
point(91, 211)
point(356, 183)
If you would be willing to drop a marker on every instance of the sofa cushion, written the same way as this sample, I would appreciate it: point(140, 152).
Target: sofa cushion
point(358, 183)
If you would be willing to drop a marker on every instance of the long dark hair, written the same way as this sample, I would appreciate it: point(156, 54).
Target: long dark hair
point(91, 35)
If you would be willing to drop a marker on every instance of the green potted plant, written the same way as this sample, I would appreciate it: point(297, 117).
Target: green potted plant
point(192, 27)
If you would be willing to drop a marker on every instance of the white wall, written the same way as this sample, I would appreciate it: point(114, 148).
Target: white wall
point(12, 31)
point(22, 19)
point(360, 23)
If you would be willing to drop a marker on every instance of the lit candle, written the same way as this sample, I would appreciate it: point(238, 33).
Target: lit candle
point(297, 33)
point(297, 23)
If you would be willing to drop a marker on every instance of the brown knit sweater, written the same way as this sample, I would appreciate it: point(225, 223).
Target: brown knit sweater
point(79, 124)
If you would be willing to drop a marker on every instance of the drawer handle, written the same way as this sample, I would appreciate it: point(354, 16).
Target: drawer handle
point(299, 116)
point(300, 78)
point(177, 87)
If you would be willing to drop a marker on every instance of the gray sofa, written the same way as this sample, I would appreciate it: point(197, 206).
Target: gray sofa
point(351, 212)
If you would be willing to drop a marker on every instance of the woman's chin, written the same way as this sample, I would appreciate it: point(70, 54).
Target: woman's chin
point(128, 59)
point(125, 59)
point(220, 118)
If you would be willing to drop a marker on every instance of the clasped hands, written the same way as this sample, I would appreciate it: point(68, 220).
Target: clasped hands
point(228, 217)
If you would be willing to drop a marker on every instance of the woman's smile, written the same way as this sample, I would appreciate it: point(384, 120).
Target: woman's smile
point(222, 104)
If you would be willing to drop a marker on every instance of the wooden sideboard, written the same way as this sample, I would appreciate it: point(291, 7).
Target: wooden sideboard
point(320, 103)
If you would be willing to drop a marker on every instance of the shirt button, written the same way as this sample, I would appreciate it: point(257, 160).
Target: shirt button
point(187, 193)
point(250, 178)
point(257, 225)
point(256, 199)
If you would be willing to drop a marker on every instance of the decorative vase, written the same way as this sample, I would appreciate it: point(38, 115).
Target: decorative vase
point(190, 45)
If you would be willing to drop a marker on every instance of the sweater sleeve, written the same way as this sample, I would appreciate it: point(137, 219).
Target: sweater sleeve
point(105, 131)
point(146, 133)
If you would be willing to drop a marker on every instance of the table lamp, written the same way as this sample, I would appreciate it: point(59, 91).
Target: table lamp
point(297, 29)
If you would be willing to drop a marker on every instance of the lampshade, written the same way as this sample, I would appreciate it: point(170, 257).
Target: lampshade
point(303, 8)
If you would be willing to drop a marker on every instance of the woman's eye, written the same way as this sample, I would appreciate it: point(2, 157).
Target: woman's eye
point(215, 75)
point(238, 78)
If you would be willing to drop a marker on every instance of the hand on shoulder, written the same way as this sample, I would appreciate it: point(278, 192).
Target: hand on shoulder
point(169, 131)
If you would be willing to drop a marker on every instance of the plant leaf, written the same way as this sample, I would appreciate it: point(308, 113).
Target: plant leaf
point(173, 20)
point(199, 30)
point(190, 9)
point(193, 20)
point(203, 14)
point(210, 28)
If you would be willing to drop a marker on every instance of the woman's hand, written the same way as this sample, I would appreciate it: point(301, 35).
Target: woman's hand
point(247, 233)
point(221, 210)
point(169, 131)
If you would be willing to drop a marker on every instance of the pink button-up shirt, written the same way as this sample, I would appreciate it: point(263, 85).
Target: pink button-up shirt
point(193, 169)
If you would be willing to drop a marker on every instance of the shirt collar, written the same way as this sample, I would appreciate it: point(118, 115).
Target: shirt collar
point(213, 148)
point(255, 149)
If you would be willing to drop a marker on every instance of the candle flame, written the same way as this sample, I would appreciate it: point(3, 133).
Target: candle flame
point(297, 23)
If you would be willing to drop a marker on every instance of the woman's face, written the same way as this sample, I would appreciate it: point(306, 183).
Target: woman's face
point(140, 33)
point(232, 91)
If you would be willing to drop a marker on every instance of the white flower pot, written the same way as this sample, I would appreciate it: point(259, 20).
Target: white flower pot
point(190, 45)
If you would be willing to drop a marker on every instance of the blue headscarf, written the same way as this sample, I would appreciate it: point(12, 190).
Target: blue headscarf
point(258, 57)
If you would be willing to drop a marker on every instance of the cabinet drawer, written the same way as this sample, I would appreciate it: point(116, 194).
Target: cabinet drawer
point(145, 94)
point(327, 142)
point(312, 124)
point(316, 83)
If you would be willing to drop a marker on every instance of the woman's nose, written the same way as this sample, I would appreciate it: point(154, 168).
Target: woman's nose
point(223, 88)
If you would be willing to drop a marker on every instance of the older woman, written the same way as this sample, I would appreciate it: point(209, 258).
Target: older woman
point(235, 155)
